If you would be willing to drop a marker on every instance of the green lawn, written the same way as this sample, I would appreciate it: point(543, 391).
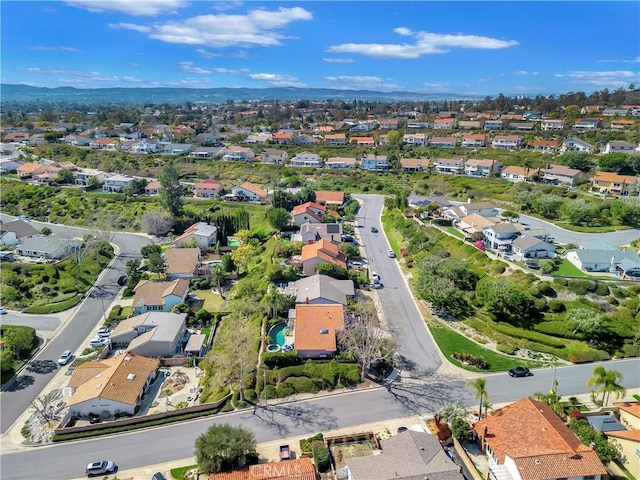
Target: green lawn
point(454, 231)
point(568, 269)
point(213, 302)
point(450, 342)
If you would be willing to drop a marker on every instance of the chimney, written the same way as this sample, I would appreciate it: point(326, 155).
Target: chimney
point(307, 301)
point(483, 443)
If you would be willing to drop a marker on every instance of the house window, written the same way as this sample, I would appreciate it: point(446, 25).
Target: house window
point(589, 477)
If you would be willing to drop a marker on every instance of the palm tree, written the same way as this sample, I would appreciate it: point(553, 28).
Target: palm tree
point(480, 387)
point(608, 381)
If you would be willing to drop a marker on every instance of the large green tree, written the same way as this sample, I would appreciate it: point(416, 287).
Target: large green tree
point(506, 300)
point(222, 447)
point(170, 189)
point(278, 218)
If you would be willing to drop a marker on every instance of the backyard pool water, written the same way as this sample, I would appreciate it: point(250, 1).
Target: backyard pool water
point(278, 333)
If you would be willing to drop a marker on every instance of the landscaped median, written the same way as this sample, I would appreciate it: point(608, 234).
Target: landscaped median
point(55, 304)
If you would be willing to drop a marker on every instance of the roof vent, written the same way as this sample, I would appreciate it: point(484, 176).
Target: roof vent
point(131, 376)
point(98, 375)
point(127, 358)
point(98, 385)
point(537, 462)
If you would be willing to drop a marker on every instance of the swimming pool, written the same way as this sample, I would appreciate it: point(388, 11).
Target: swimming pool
point(277, 333)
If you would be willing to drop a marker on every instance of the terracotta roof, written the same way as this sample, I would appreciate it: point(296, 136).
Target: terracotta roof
point(614, 177)
point(630, 407)
point(153, 292)
point(515, 170)
point(306, 208)
point(250, 187)
point(326, 251)
point(346, 160)
point(541, 445)
point(297, 469)
point(443, 140)
point(119, 378)
point(362, 139)
point(545, 143)
point(182, 260)
point(633, 435)
point(414, 162)
point(444, 120)
point(335, 136)
point(480, 163)
point(327, 196)
point(27, 168)
point(316, 326)
point(153, 185)
point(478, 136)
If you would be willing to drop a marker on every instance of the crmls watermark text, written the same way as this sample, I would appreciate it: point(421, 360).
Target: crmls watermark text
point(278, 470)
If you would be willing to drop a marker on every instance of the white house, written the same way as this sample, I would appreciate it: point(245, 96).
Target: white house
point(450, 166)
point(249, 192)
point(341, 163)
point(13, 232)
point(152, 334)
point(238, 154)
point(526, 246)
point(202, 234)
point(506, 142)
point(625, 262)
point(576, 145)
point(619, 146)
point(306, 159)
point(50, 247)
point(117, 183)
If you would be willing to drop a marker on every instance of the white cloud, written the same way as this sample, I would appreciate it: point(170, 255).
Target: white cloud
point(612, 78)
point(258, 27)
point(633, 60)
point(130, 26)
point(338, 60)
point(190, 67)
point(277, 80)
point(425, 43)
point(131, 7)
point(361, 81)
point(81, 74)
point(206, 53)
point(437, 86)
point(131, 79)
point(49, 48)
point(223, 6)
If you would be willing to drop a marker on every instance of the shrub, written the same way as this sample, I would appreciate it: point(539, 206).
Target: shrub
point(473, 360)
point(546, 289)
point(321, 456)
point(602, 289)
point(281, 359)
point(284, 390)
point(303, 385)
point(547, 266)
point(498, 269)
point(613, 301)
point(506, 348)
point(561, 281)
point(556, 306)
point(305, 443)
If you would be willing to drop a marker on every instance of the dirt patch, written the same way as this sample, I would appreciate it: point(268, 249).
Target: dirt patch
point(174, 384)
point(340, 453)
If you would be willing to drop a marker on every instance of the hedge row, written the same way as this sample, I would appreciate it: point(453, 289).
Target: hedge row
point(54, 307)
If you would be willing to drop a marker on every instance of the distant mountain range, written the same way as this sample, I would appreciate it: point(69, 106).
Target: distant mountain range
point(27, 93)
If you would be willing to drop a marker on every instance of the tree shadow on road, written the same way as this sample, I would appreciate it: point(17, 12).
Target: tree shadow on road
point(19, 383)
point(280, 418)
point(42, 366)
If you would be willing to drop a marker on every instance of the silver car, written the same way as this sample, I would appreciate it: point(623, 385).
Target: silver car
point(65, 357)
point(103, 467)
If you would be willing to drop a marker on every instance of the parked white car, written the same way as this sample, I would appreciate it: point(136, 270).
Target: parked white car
point(98, 342)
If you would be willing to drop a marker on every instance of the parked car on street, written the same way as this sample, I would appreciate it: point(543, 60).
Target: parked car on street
point(104, 332)
point(158, 476)
point(122, 280)
point(520, 372)
point(66, 356)
point(391, 254)
point(102, 467)
point(2, 310)
point(98, 342)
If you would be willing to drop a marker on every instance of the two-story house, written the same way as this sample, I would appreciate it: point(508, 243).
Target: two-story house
point(506, 142)
point(335, 139)
point(552, 124)
point(560, 174)
point(587, 124)
point(610, 183)
point(501, 236)
point(449, 166)
point(85, 177)
point(306, 159)
point(235, 153)
point(516, 174)
point(117, 183)
point(341, 163)
point(481, 168)
point(443, 142)
point(576, 145)
point(474, 141)
point(201, 234)
point(444, 124)
point(274, 156)
point(209, 188)
point(414, 164)
point(415, 139)
point(311, 212)
point(493, 124)
point(544, 146)
point(373, 162)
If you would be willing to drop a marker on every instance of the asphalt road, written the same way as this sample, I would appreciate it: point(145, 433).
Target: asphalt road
point(418, 354)
point(39, 322)
point(617, 239)
point(17, 395)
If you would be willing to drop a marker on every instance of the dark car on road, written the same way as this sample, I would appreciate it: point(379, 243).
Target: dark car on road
point(374, 230)
point(520, 372)
point(158, 476)
point(122, 280)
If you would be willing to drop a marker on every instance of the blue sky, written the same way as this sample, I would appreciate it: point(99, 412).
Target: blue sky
point(455, 47)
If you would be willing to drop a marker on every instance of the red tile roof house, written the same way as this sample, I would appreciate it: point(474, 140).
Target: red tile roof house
point(414, 164)
point(315, 329)
point(549, 146)
point(111, 386)
point(516, 174)
point(323, 251)
point(474, 141)
point(208, 188)
point(159, 296)
point(296, 469)
point(329, 197)
point(527, 440)
point(309, 212)
point(182, 262)
point(152, 188)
